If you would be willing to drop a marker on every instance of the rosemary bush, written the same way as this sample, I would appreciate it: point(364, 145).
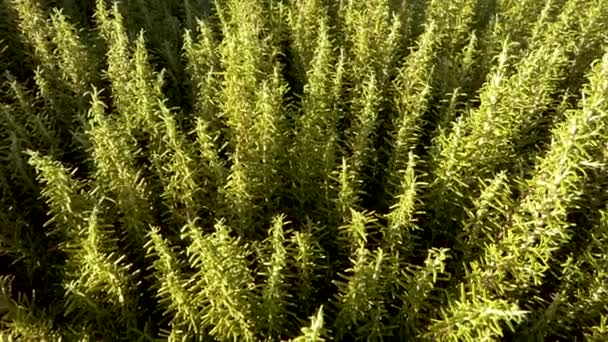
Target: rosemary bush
point(303, 170)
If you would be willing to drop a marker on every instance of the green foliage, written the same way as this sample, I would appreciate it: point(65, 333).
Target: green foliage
point(303, 170)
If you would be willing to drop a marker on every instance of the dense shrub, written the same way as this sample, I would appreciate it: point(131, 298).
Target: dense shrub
point(304, 170)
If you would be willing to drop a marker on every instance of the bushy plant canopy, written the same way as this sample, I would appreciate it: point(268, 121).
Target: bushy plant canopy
point(303, 170)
